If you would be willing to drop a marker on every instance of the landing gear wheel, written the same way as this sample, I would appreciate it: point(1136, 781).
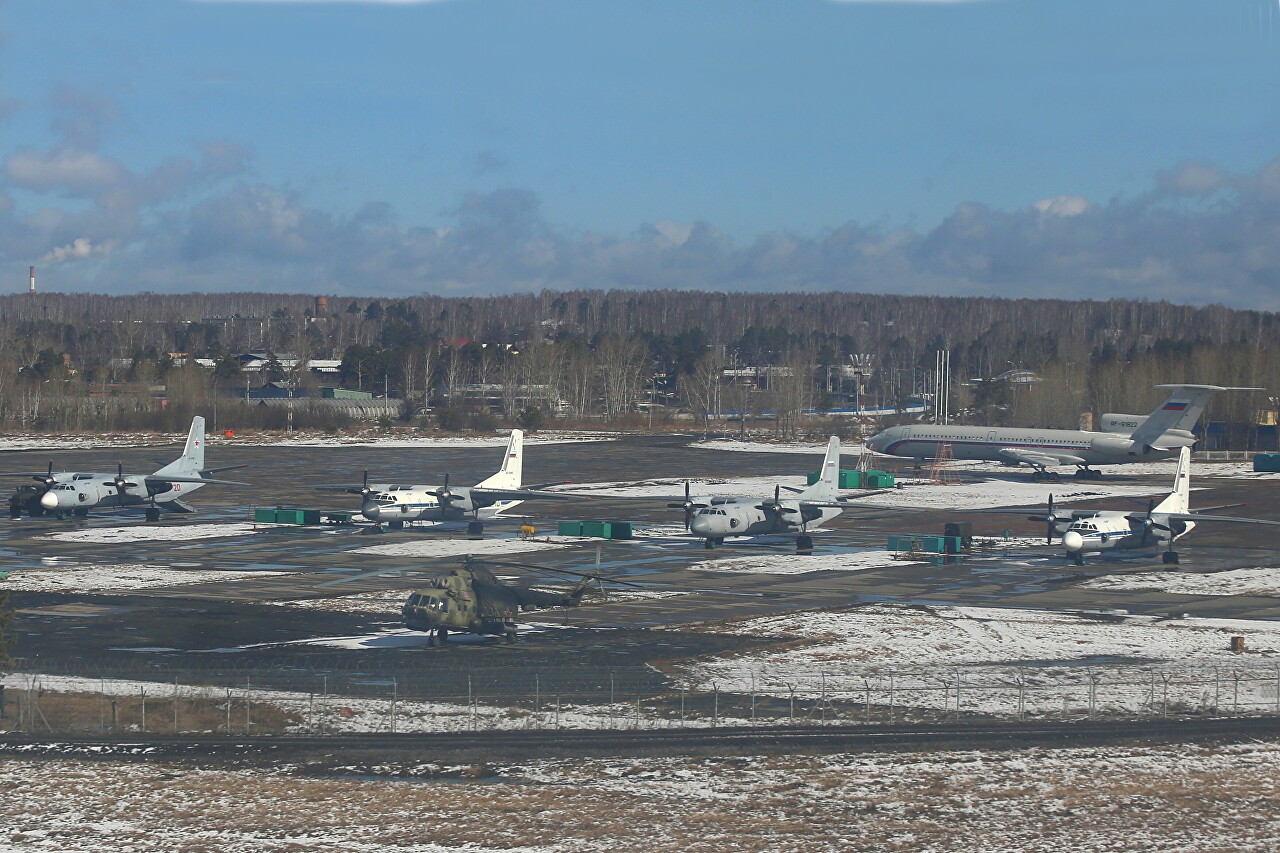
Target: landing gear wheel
point(431, 640)
point(511, 636)
point(153, 514)
point(441, 635)
point(1169, 558)
point(709, 544)
point(1078, 559)
point(804, 544)
point(1082, 474)
point(80, 512)
point(475, 528)
point(396, 525)
point(1095, 474)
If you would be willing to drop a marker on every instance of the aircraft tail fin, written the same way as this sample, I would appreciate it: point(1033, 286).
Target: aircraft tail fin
point(826, 487)
point(508, 476)
point(1180, 411)
point(191, 462)
point(1179, 500)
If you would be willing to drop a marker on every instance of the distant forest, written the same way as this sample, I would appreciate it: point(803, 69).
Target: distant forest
point(83, 361)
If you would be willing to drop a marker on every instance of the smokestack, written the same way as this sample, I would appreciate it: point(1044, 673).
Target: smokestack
point(32, 291)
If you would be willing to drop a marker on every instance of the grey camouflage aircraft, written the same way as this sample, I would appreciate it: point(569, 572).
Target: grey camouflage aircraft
point(72, 493)
point(716, 518)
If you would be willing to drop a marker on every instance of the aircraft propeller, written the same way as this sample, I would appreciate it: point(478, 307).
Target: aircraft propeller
point(46, 478)
point(687, 504)
point(1050, 520)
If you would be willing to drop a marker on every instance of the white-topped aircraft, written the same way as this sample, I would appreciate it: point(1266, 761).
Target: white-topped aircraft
point(1085, 531)
point(397, 503)
point(716, 518)
point(1125, 438)
point(75, 493)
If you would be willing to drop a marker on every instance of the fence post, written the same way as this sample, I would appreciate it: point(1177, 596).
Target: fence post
point(1235, 701)
point(792, 688)
point(753, 697)
point(823, 716)
point(228, 711)
point(893, 711)
point(715, 717)
point(175, 704)
point(395, 690)
point(143, 692)
point(682, 689)
point(248, 700)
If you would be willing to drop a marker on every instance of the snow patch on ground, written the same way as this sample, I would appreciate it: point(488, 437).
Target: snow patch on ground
point(746, 446)
point(991, 493)
point(1049, 660)
point(116, 579)
point(794, 564)
point(142, 533)
point(1261, 581)
point(458, 547)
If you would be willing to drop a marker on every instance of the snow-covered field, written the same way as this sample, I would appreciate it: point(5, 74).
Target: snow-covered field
point(404, 438)
point(1261, 581)
point(793, 564)
point(167, 533)
point(994, 493)
point(302, 438)
point(1121, 799)
point(458, 547)
point(749, 446)
point(1054, 656)
point(118, 579)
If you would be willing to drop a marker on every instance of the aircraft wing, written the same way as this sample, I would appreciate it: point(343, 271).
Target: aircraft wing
point(1192, 516)
point(1038, 457)
point(358, 488)
point(518, 494)
point(193, 480)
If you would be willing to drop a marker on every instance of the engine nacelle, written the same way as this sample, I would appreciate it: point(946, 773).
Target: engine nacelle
point(1125, 424)
point(1113, 444)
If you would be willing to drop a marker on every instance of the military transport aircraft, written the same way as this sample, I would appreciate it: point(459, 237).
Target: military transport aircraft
point(715, 518)
point(1086, 531)
point(397, 503)
point(66, 493)
point(1126, 438)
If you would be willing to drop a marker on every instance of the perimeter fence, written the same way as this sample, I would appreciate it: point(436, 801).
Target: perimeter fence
point(291, 700)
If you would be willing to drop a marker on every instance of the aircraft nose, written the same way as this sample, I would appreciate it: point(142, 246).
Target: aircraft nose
point(701, 525)
point(49, 500)
point(1072, 541)
point(371, 511)
point(876, 442)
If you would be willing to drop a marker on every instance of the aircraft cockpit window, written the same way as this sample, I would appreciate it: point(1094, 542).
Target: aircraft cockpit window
point(82, 477)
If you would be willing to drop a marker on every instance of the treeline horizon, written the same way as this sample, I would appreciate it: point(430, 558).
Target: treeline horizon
point(592, 352)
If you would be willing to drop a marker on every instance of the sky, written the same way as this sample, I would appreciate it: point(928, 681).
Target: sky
point(1064, 148)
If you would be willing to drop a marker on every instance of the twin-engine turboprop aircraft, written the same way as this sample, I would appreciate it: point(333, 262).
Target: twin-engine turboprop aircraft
point(715, 519)
point(397, 503)
point(1088, 531)
point(1129, 438)
point(64, 493)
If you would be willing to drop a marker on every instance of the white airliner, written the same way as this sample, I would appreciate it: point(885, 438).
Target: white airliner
point(1126, 438)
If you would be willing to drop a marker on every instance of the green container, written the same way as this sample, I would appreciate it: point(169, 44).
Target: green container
point(599, 529)
point(339, 517)
point(851, 479)
point(292, 516)
point(812, 477)
point(264, 516)
point(879, 480)
point(1267, 462)
point(620, 530)
point(311, 516)
point(569, 528)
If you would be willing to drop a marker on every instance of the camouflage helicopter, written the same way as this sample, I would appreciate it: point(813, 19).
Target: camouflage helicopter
point(472, 600)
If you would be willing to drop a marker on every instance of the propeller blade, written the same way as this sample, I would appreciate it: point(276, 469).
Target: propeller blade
point(1051, 526)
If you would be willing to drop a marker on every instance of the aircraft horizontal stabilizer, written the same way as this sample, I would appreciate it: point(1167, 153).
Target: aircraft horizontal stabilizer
point(166, 479)
point(519, 494)
point(1195, 516)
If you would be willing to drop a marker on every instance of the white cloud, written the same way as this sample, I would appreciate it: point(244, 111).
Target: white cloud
point(1063, 205)
point(81, 247)
point(73, 170)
